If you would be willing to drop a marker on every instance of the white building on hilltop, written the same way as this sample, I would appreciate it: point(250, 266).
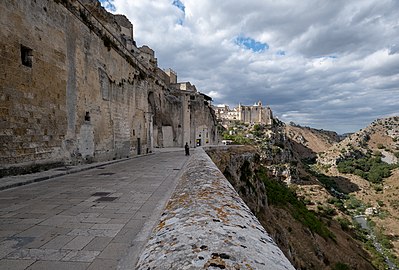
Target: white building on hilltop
point(255, 114)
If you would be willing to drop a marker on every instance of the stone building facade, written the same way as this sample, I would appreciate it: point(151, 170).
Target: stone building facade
point(247, 114)
point(75, 88)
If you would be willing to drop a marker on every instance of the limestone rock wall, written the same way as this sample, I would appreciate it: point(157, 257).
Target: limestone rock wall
point(73, 89)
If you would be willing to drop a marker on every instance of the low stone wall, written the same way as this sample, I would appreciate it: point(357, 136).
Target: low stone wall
point(206, 225)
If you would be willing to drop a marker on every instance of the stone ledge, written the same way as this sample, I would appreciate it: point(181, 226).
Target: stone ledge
point(206, 225)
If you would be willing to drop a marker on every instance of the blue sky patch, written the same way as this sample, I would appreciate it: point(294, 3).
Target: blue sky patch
point(179, 5)
point(327, 57)
point(108, 5)
point(180, 21)
point(251, 44)
point(280, 52)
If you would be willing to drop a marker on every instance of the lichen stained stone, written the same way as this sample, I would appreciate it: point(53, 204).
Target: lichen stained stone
point(206, 225)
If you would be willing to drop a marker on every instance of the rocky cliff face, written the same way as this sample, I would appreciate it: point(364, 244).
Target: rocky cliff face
point(307, 142)
point(305, 246)
point(277, 153)
point(381, 135)
point(238, 163)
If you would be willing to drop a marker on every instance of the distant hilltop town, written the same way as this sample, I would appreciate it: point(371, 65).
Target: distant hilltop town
point(255, 114)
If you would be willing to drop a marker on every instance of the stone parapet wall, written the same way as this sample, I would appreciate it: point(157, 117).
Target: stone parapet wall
point(206, 225)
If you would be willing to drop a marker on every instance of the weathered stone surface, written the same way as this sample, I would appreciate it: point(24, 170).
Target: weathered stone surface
point(207, 225)
point(75, 89)
point(72, 230)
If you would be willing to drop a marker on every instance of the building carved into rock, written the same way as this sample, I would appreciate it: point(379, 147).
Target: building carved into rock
point(255, 114)
point(75, 88)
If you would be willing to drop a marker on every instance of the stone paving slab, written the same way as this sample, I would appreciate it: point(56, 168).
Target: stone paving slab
point(20, 180)
point(95, 218)
point(56, 265)
point(15, 264)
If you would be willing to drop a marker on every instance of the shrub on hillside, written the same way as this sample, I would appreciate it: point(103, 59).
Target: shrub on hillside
point(344, 223)
point(380, 146)
point(282, 196)
point(341, 266)
point(369, 167)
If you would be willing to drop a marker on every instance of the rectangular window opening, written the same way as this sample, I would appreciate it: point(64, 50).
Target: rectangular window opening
point(26, 56)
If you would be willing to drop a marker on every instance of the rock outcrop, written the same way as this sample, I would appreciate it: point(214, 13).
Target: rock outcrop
point(382, 133)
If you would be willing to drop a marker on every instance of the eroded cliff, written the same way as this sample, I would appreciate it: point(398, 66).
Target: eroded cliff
point(308, 240)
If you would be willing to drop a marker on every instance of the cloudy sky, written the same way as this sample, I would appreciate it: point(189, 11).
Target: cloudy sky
point(325, 64)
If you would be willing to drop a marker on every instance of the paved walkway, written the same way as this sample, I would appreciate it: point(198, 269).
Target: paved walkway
point(93, 219)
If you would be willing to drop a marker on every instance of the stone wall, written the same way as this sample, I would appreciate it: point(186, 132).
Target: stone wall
point(255, 114)
point(207, 225)
point(74, 89)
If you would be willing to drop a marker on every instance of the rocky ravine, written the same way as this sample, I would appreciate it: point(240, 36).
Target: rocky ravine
point(305, 248)
point(382, 134)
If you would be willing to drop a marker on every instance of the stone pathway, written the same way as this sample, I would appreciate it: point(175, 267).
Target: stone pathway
point(94, 219)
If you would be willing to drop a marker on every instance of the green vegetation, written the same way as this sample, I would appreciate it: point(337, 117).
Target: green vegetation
point(326, 211)
point(280, 195)
point(257, 130)
point(386, 245)
point(352, 203)
point(377, 259)
point(337, 203)
point(237, 133)
point(369, 167)
point(327, 181)
point(344, 223)
point(378, 187)
point(341, 266)
point(237, 139)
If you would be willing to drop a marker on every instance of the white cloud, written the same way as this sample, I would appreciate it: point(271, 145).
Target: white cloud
point(329, 64)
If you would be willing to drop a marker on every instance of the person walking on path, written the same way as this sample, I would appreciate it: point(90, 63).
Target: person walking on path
point(187, 149)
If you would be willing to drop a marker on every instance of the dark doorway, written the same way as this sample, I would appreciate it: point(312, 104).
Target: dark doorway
point(138, 146)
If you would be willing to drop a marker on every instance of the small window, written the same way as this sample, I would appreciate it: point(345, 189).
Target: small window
point(26, 56)
point(87, 116)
